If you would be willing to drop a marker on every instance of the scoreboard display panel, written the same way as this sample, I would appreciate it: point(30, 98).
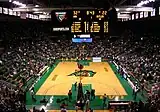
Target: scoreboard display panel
point(81, 21)
point(89, 21)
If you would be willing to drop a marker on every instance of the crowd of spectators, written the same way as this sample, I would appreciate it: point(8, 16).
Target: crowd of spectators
point(24, 59)
point(140, 57)
point(11, 99)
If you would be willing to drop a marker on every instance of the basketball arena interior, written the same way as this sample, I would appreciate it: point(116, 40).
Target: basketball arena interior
point(79, 56)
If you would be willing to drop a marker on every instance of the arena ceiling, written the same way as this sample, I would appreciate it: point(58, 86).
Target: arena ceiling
point(85, 3)
point(49, 5)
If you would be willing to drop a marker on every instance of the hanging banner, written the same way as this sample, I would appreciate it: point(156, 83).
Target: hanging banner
point(23, 15)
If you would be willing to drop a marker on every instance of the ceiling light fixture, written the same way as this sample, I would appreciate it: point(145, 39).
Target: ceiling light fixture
point(144, 2)
point(125, 12)
point(19, 4)
point(36, 5)
point(117, 9)
point(128, 9)
point(35, 9)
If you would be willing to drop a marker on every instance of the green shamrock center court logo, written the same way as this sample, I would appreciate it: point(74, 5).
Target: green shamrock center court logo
point(83, 73)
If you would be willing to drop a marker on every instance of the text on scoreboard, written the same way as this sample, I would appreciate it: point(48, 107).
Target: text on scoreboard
point(85, 21)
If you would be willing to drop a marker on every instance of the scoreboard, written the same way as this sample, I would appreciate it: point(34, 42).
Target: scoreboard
point(86, 21)
point(81, 21)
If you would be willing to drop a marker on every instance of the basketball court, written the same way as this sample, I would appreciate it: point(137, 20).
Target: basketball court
point(104, 81)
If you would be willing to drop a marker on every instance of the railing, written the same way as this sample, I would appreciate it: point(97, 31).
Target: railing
point(132, 80)
point(43, 71)
point(147, 86)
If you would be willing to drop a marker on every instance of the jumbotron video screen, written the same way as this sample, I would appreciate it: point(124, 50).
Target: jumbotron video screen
point(81, 21)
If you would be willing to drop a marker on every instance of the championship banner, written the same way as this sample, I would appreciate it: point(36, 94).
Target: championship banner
point(1, 10)
point(23, 15)
point(5, 11)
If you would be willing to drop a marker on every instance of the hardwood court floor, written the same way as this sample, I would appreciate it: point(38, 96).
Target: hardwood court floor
point(104, 81)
